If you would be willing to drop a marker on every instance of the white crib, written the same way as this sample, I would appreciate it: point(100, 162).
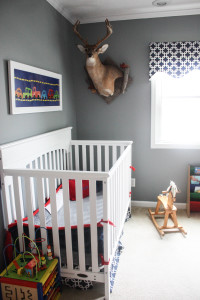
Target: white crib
point(32, 169)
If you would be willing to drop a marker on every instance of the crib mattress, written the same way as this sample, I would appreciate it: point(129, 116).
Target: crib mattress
point(73, 213)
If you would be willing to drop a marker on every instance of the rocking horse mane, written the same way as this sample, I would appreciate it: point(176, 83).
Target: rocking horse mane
point(173, 189)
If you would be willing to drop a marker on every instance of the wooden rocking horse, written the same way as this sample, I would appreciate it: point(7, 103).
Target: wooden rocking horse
point(167, 199)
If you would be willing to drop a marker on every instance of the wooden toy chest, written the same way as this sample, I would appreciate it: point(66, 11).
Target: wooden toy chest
point(46, 286)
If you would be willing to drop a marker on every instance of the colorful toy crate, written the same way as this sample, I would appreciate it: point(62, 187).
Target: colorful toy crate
point(45, 285)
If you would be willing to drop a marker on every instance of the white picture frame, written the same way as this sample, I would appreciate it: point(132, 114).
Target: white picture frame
point(33, 90)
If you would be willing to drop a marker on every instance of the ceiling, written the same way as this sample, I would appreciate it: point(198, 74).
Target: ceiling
point(92, 11)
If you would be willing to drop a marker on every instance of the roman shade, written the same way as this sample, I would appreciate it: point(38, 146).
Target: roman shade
point(174, 58)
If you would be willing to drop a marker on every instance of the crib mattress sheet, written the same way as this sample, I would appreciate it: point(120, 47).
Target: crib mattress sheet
point(73, 212)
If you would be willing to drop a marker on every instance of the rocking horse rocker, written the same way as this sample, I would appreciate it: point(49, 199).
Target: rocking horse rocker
point(167, 199)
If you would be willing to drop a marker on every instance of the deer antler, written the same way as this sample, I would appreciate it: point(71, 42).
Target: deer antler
point(85, 42)
point(78, 34)
point(109, 32)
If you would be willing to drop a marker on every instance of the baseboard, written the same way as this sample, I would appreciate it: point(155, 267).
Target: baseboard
point(137, 203)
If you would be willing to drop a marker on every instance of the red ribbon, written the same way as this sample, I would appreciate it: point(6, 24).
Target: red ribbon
point(104, 263)
point(107, 222)
point(132, 168)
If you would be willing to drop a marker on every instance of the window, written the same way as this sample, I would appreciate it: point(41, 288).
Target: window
point(175, 111)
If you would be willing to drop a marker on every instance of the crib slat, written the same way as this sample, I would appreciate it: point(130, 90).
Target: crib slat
point(46, 180)
point(54, 160)
point(93, 225)
point(52, 188)
point(30, 209)
point(64, 159)
point(7, 189)
point(58, 164)
point(77, 157)
point(106, 158)
point(70, 164)
point(58, 159)
point(19, 208)
point(81, 244)
point(36, 163)
point(34, 203)
point(33, 191)
point(84, 157)
point(6, 205)
point(39, 163)
point(121, 149)
point(42, 167)
point(116, 200)
point(106, 235)
point(119, 178)
point(41, 200)
point(50, 160)
point(99, 167)
point(61, 160)
point(112, 211)
point(114, 150)
point(117, 186)
point(91, 149)
point(68, 235)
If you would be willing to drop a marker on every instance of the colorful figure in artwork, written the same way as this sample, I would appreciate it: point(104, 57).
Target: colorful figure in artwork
point(56, 95)
point(50, 94)
point(44, 95)
point(28, 93)
point(18, 93)
point(35, 93)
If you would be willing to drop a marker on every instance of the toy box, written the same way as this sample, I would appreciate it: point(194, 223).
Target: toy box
point(18, 282)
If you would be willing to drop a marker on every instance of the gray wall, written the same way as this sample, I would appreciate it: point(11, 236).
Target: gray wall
point(34, 33)
point(129, 116)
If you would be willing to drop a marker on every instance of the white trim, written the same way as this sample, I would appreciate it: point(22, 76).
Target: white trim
point(140, 15)
point(101, 142)
point(138, 203)
point(154, 12)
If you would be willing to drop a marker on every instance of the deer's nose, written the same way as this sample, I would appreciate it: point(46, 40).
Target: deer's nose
point(89, 54)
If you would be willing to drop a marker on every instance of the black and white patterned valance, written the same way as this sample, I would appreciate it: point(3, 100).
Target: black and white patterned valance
point(174, 58)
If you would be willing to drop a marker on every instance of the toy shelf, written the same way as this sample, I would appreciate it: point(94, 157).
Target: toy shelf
point(193, 190)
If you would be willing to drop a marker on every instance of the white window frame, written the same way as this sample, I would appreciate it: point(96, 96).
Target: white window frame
point(156, 103)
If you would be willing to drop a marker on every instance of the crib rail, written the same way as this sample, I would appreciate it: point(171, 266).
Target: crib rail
point(95, 155)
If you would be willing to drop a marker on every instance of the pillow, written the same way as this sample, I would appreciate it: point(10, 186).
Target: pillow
point(72, 190)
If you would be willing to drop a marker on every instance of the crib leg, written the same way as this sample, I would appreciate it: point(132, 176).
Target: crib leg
point(107, 282)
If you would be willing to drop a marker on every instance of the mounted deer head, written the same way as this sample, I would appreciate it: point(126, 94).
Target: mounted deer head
point(102, 76)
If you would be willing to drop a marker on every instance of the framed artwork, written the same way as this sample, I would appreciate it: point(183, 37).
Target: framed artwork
point(33, 90)
point(193, 194)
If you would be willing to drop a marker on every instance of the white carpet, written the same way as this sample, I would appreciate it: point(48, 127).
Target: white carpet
point(152, 268)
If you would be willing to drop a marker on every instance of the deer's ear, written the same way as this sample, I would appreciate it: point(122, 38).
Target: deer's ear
point(81, 48)
point(102, 49)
